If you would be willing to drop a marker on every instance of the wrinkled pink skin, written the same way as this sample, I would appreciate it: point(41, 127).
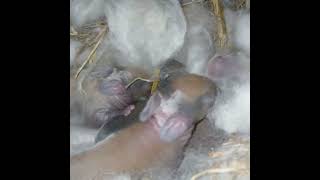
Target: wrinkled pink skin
point(168, 126)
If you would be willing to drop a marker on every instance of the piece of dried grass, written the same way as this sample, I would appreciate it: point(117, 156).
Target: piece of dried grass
point(222, 40)
point(97, 41)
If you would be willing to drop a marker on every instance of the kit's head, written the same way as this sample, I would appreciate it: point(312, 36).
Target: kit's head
point(181, 100)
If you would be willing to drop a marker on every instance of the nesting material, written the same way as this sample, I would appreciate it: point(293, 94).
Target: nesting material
point(84, 11)
point(230, 161)
point(92, 53)
point(232, 113)
point(232, 108)
point(90, 35)
point(238, 25)
point(236, 4)
point(242, 33)
point(222, 36)
point(74, 49)
point(81, 138)
point(148, 32)
point(198, 47)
